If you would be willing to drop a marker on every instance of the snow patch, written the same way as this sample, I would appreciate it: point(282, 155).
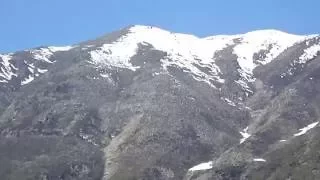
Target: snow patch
point(44, 54)
point(31, 69)
point(244, 85)
point(108, 77)
point(155, 74)
point(231, 103)
point(245, 135)
point(29, 79)
point(114, 55)
point(41, 71)
point(306, 129)
point(259, 160)
point(105, 75)
point(6, 70)
point(62, 48)
point(309, 53)
point(272, 41)
point(202, 166)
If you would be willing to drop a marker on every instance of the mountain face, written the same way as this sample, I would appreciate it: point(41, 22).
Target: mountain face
point(144, 103)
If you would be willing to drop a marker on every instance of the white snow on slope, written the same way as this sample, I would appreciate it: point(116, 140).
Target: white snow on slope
point(202, 166)
point(61, 48)
point(309, 53)
point(188, 51)
point(306, 129)
point(259, 160)
point(185, 51)
point(44, 54)
point(27, 80)
point(243, 82)
point(30, 67)
point(255, 41)
point(42, 70)
point(231, 103)
point(6, 71)
point(245, 135)
point(272, 42)
point(108, 77)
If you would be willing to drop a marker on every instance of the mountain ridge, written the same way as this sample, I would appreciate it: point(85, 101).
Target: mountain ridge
point(145, 103)
point(218, 43)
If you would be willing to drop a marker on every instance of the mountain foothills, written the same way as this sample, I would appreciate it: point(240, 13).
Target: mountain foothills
point(144, 103)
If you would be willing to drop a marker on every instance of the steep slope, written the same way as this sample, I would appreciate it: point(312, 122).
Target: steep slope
point(145, 103)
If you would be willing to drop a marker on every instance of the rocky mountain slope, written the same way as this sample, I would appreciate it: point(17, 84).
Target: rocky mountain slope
point(145, 103)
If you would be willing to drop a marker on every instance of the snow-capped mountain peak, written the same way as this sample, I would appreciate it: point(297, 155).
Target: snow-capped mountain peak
point(146, 103)
point(189, 51)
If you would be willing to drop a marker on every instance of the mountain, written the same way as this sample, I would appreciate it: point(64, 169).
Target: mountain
point(145, 103)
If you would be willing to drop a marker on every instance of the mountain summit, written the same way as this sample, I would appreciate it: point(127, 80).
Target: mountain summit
point(145, 103)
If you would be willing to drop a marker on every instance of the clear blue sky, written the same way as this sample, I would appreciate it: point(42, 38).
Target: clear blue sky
point(31, 23)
